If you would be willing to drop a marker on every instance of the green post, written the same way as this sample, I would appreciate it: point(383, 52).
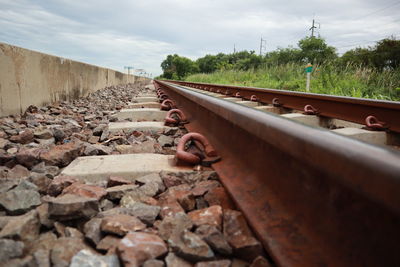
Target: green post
point(308, 70)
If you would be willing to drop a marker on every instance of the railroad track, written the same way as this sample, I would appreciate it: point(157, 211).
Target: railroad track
point(148, 182)
point(99, 176)
point(315, 196)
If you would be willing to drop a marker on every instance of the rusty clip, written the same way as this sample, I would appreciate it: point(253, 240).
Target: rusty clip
point(310, 110)
point(168, 104)
point(373, 123)
point(237, 94)
point(275, 102)
point(180, 118)
point(162, 97)
point(190, 158)
point(253, 98)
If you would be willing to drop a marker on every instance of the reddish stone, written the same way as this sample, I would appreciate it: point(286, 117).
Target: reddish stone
point(108, 243)
point(219, 263)
point(121, 224)
point(173, 224)
point(115, 180)
point(119, 191)
point(182, 194)
point(69, 207)
point(19, 171)
point(235, 223)
point(24, 137)
point(170, 208)
point(28, 157)
point(203, 187)
point(190, 246)
point(260, 261)
point(210, 216)
point(239, 236)
point(24, 227)
point(62, 155)
point(64, 249)
point(136, 248)
point(85, 190)
point(59, 183)
point(218, 196)
point(215, 239)
point(92, 230)
point(171, 180)
point(174, 261)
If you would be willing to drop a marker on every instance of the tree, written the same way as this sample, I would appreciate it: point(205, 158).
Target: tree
point(177, 67)
point(208, 64)
point(283, 56)
point(168, 66)
point(387, 54)
point(184, 66)
point(315, 50)
point(358, 56)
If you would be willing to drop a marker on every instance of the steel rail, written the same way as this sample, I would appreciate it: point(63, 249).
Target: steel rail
point(313, 197)
point(345, 108)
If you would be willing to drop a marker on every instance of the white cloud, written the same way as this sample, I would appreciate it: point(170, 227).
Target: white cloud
point(141, 33)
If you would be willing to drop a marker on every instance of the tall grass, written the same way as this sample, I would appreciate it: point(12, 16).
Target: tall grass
point(329, 78)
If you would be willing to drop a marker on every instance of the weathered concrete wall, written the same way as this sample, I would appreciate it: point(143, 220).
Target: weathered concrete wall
point(32, 78)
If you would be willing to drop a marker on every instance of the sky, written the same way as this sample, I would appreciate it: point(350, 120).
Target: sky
point(141, 33)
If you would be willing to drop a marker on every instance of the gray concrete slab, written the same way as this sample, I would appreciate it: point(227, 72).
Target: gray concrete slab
point(128, 166)
point(148, 95)
point(272, 109)
point(251, 104)
point(372, 137)
point(143, 114)
point(311, 120)
point(232, 99)
point(141, 126)
point(144, 99)
point(144, 105)
point(340, 123)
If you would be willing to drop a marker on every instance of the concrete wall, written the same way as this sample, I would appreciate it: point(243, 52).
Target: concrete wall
point(32, 78)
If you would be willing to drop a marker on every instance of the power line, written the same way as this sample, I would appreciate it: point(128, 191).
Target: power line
point(379, 10)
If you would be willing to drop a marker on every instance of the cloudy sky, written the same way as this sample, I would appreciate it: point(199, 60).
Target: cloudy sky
point(141, 33)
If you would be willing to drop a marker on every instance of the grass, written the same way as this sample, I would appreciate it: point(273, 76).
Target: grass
point(326, 79)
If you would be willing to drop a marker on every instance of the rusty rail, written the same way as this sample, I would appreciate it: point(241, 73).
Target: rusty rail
point(313, 197)
point(345, 108)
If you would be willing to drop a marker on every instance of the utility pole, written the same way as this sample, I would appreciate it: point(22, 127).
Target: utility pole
point(263, 46)
point(314, 27)
point(234, 48)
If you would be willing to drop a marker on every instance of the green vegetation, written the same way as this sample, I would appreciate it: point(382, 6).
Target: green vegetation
point(348, 80)
point(369, 73)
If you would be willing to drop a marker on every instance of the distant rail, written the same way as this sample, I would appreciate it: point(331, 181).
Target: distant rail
point(313, 197)
point(345, 108)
